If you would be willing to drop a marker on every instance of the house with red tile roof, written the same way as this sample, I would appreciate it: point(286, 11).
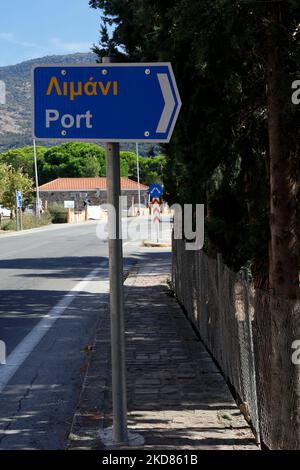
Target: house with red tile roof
point(93, 190)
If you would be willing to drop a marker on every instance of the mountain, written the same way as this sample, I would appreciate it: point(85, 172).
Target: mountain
point(15, 115)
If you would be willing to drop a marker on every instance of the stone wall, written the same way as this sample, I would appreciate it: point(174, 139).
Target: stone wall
point(95, 197)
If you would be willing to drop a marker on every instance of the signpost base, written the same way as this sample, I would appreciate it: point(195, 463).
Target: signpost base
point(134, 439)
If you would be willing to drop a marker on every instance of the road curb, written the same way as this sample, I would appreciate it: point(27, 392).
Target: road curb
point(152, 244)
point(44, 228)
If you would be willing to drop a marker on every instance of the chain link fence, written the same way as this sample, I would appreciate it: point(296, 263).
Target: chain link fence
point(235, 323)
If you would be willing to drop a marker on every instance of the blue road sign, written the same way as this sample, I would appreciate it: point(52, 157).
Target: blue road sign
point(108, 102)
point(19, 199)
point(155, 190)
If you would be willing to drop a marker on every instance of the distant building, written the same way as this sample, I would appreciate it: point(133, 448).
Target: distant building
point(93, 190)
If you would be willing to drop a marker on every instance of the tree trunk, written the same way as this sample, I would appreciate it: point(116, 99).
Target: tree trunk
point(211, 249)
point(284, 279)
point(283, 267)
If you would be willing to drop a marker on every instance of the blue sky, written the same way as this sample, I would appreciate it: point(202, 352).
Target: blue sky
point(35, 28)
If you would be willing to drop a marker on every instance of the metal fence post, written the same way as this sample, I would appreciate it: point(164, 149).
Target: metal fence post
point(222, 347)
point(253, 383)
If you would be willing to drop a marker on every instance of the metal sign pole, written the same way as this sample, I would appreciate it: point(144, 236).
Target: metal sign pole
point(37, 202)
point(138, 177)
point(120, 433)
point(17, 212)
point(21, 222)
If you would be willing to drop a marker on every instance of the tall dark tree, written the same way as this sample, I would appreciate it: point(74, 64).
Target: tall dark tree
point(281, 39)
point(221, 56)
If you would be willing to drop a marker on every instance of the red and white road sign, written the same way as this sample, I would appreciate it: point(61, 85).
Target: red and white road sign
point(155, 201)
point(155, 210)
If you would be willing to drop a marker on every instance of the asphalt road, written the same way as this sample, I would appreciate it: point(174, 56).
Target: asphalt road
point(53, 290)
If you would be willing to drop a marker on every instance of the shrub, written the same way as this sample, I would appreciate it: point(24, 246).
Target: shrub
point(58, 214)
point(10, 225)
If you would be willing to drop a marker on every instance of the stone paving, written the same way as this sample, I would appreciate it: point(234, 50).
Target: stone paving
point(177, 398)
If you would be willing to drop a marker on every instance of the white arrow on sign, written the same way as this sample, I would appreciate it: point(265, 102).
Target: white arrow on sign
point(169, 102)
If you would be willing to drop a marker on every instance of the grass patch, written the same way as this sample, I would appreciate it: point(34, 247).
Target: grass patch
point(28, 221)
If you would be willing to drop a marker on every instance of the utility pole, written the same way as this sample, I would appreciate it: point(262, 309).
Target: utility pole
point(17, 212)
point(21, 219)
point(37, 201)
point(120, 432)
point(138, 178)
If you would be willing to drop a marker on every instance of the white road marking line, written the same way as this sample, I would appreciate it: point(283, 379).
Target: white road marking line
point(21, 352)
point(27, 345)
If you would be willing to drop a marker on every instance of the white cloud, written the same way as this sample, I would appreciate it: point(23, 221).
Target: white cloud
point(66, 46)
point(11, 37)
point(7, 36)
point(30, 50)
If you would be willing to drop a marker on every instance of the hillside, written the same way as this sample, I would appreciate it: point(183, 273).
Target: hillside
point(15, 116)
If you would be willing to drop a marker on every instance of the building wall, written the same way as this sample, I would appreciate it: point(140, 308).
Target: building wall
point(96, 197)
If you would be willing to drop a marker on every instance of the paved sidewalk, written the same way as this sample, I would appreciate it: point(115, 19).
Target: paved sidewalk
point(177, 398)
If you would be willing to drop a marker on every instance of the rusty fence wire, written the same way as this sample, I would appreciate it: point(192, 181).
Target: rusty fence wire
point(234, 322)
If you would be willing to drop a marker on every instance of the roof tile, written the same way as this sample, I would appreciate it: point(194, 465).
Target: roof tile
point(87, 184)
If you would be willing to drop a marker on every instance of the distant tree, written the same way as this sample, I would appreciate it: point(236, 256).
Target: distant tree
point(128, 164)
point(73, 159)
point(15, 180)
point(23, 159)
point(78, 159)
point(151, 169)
point(3, 176)
point(151, 152)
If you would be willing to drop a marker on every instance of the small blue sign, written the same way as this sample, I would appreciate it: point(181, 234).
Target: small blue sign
point(156, 190)
point(107, 102)
point(19, 199)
